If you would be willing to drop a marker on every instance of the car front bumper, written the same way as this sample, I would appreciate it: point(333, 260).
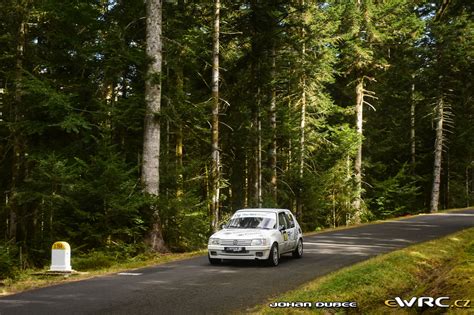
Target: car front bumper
point(250, 253)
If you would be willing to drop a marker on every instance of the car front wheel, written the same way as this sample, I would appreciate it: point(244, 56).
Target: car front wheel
point(298, 252)
point(274, 257)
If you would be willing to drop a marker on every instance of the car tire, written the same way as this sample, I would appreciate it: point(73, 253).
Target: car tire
point(274, 256)
point(213, 261)
point(298, 252)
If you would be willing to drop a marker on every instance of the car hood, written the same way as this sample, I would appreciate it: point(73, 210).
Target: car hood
point(241, 233)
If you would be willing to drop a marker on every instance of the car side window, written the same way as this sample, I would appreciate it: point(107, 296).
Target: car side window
point(283, 220)
point(291, 220)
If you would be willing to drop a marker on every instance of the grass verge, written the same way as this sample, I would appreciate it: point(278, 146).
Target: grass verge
point(443, 267)
point(95, 265)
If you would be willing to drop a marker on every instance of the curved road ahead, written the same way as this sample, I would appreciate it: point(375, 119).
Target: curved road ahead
point(195, 287)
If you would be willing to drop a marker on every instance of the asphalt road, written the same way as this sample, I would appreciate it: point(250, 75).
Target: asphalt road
point(195, 287)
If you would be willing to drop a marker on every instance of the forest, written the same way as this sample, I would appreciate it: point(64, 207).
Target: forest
point(133, 126)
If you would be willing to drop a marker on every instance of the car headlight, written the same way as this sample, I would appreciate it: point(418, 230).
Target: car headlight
point(214, 241)
point(259, 242)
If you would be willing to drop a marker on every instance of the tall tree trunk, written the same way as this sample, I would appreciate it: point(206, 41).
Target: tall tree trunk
point(254, 159)
point(273, 126)
point(215, 168)
point(246, 182)
point(347, 201)
point(299, 202)
point(259, 160)
point(179, 162)
point(179, 135)
point(151, 139)
point(255, 164)
point(2, 91)
point(255, 172)
point(18, 141)
point(412, 124)
point(358, 160)
point(438, 152)
point(447, 180)
point(467, 186)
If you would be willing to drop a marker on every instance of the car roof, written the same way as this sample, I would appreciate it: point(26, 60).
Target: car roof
point(274, 210)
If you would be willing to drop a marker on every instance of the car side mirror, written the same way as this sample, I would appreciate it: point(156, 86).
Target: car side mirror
point(281, 228)
point(223, 226)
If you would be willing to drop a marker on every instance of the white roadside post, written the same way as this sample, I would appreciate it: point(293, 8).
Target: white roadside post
point(61, 257)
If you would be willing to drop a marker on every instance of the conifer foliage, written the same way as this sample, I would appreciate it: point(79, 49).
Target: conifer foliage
point(132, 126)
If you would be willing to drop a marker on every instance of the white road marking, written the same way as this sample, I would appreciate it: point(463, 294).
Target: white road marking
point(130, 274)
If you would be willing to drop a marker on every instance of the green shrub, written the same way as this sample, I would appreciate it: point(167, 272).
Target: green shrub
point(92, 261)
point(8, 262)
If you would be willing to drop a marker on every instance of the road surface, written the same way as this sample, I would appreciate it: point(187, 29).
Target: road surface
point(194, 287)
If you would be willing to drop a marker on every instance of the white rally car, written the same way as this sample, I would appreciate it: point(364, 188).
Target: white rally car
point(257, 234)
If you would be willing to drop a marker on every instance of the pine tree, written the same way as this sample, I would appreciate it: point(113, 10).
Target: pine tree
point(151, 141)
point(369, 30)
point(215, 166)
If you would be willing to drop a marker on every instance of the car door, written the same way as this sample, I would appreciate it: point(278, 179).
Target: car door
point(291, 231)
point(283, 227)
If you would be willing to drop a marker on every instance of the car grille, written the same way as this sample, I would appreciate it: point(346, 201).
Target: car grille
point(239, 242)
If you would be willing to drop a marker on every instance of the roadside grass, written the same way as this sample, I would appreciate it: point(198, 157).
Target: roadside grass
point(89, 266)
point(443, 267)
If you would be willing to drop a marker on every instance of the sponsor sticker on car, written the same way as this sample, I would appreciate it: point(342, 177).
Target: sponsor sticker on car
point(254, 214)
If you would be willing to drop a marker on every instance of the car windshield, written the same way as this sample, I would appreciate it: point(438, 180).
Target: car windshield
point(252, 221)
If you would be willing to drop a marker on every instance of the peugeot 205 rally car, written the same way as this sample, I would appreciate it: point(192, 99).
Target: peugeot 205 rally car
point(257, 234)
